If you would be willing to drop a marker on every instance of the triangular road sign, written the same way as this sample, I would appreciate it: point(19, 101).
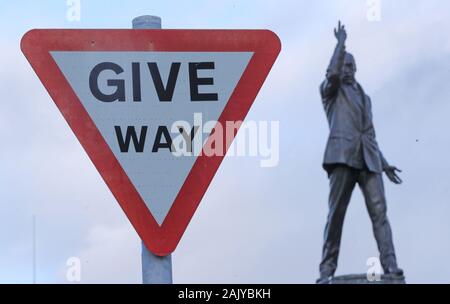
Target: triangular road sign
point(122, 92)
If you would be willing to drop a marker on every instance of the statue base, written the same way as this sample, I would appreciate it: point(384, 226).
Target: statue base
point(362, 279)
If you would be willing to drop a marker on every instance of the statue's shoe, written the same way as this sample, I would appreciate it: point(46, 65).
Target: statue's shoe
point(324, 280)
point(394, 270)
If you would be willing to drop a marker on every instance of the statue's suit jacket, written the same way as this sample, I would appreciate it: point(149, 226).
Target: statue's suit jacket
point(352, 134)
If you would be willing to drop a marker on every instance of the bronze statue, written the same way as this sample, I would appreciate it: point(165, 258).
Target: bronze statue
point(352, 156)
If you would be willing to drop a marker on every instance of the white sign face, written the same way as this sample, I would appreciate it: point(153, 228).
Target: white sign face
point(134, 98)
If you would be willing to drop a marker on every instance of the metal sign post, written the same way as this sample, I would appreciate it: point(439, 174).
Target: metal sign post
point(155, 269)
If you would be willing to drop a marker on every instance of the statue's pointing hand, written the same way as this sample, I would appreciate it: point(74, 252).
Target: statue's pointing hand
point(340, 33)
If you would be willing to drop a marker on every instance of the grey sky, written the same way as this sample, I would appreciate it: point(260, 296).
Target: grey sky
point(261, 225)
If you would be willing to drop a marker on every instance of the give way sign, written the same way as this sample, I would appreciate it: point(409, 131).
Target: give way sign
point(138, 100)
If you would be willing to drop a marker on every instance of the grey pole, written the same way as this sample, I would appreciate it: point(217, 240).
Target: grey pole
point(147, 22)
point(155, 269)
point(34, 248)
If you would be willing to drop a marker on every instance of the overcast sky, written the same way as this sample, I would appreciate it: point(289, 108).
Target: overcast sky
point(254, 225)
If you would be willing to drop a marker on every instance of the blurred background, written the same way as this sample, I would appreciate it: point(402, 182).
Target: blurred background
point(254, 225)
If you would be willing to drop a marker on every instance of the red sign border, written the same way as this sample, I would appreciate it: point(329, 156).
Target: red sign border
point(37, 45)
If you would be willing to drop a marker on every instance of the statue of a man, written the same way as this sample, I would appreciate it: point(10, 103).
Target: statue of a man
point(352, 156)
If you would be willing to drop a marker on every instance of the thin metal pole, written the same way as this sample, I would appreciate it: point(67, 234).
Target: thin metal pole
point(155, 269)
point(34, 248)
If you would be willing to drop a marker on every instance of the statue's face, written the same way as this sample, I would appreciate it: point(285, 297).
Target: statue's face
point(349, 69)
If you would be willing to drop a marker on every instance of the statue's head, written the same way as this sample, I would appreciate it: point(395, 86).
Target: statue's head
point(349, 69)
